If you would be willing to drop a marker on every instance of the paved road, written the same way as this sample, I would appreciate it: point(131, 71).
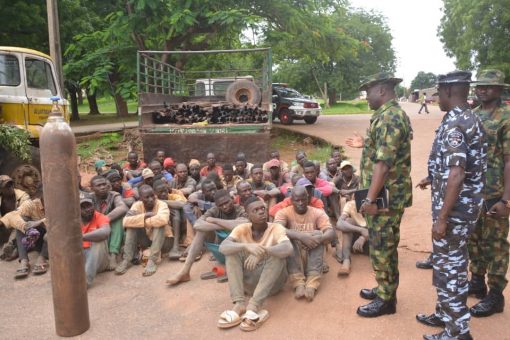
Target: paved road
point(335, 129)
point(103, 127)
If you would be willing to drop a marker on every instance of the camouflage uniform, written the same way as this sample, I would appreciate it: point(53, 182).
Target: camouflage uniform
point(389, 140)
point(488, 245)
point(459, 141)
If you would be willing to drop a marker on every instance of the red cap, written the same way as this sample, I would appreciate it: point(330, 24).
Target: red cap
point(168, 162)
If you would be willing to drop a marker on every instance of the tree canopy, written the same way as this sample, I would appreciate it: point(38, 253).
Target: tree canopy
point(476, 33)
point(423, 80)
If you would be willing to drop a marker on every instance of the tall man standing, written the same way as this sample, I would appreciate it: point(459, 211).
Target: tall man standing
point(456, 170)
point(488, 245)
point(385, 161)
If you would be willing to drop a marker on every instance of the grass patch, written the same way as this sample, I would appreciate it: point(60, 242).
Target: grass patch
point(106, 143)
point(106, 106)
point(347, 107)
point(107, 118)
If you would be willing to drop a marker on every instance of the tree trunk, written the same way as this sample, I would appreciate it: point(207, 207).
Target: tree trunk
point(332, 97)
point(92, 99)
point(121, 104)
point(72, 90)
point(80, 96)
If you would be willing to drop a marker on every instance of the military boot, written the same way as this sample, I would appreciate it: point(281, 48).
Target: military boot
point(494, 302)
point(477, 286)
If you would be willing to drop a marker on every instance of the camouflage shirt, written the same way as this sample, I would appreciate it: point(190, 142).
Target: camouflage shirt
point(497, 129)
point(460, 141)
point(389, 140)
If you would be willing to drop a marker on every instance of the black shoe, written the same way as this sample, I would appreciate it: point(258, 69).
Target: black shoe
point(493, 303)
point(368, 293)
point(377, 307)
point(425, 264)
point(477, 286)
point(444, 336)
point(431, 320)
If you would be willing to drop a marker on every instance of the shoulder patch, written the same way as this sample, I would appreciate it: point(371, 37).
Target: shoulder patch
point(455, 138)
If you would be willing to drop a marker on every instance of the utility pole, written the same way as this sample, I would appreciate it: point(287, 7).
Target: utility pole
point(54, 34)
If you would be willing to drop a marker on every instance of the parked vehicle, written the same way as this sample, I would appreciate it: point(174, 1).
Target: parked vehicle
point(290, 105)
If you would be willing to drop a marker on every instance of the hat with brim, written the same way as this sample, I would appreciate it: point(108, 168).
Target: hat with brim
point(85, 198)
point(346, 163)
point(491, 77)
point(304, 182)
point(147, 173)
point(454, 78)
point(379, 78)
point(4, 180)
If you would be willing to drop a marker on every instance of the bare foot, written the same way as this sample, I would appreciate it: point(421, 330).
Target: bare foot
point(178, 278)
point(345, 269)
point(112, 262)
point(150, 268)
point(358, 244)
point(310, 293)
point(299, 292)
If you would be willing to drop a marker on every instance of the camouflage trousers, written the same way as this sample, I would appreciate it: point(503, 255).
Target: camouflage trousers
point(383, 238)
point(488, 250)
point(450, 277)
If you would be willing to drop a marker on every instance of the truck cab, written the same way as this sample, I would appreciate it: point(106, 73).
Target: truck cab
point(290, 105)
point(27, 82)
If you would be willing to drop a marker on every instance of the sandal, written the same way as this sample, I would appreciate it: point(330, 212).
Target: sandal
point(40, 268)
point(252, 320)
point(23, 271)
point(229, 319)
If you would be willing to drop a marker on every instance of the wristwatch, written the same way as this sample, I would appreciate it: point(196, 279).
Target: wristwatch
point(506, 203)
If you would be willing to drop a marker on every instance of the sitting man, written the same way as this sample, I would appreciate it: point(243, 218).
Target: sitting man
point(182, 181)
point(10, 200)
point(308, 229)
point(95, 228)
point(329, 192)
point(298, 168)
point(275, 174)
point(194, 171)
point(313, 201)
point(225, 215)
point(211, 166)
point(175, 201)
point(229, 179)
point(157, 171)
point(124, 189)
point(244, 191)
point(30, 224)
point(275, 154)
point(347, 182)
point(255, 255)
point(134, 166)
point(110, 203)
point(354, 236)
point(241, 168)
point(147, 224)
point(264, 189)
point(332, 170)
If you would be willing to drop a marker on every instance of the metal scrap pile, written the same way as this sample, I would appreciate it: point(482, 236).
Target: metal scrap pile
point(190, 113)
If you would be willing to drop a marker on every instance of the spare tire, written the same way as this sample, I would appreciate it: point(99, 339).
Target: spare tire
point(243, 92)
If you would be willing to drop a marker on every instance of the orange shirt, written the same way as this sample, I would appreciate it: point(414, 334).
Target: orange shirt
point(205, 171)
point(97, 221)
point(313, 219)
point(287, 202)
point(273, 235)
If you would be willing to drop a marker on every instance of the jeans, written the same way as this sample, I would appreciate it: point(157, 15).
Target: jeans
point(96, 260)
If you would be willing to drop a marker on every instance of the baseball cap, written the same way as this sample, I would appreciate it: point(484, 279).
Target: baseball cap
point(85, 198)
point(168, 162)
point(147, 173)
point(346, 163)
point(304, 182)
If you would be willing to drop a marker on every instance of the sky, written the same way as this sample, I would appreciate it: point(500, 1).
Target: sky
point(413, 25)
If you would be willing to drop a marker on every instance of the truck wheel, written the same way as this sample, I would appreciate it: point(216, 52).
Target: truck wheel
point(243, 92)
point(310, 120)
point(285, 117)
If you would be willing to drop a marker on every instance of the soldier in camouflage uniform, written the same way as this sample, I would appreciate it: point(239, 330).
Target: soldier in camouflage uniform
point(488, 245)
point(385, 161)
point(456, 167)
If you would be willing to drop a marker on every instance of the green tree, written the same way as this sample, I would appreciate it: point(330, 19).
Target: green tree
point(476, 33)
point(423, 80)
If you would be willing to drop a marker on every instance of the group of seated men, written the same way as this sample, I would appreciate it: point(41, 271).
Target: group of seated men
point(265, 222)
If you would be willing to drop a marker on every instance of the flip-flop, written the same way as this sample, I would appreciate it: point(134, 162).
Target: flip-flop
point(252, 321)
point(40, 268)
point(337, 258)
point(22, 273)
point(208, 275)
point(229, 319)
point(222, 279)
point(175, 257)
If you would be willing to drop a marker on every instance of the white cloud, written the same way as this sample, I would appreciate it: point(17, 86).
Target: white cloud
point(414, 26)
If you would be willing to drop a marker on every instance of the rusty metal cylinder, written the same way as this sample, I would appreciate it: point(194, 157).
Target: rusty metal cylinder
point(62, 209)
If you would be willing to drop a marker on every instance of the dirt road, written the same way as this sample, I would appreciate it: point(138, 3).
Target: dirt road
point(133, 307)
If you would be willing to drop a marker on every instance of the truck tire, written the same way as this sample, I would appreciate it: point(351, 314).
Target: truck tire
point(243, 92)
point(285, 117)
point(310, 120)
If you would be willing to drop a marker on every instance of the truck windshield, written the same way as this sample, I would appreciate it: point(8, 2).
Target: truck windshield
point(289, 93)
point(9, 70)
point(39, 75)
